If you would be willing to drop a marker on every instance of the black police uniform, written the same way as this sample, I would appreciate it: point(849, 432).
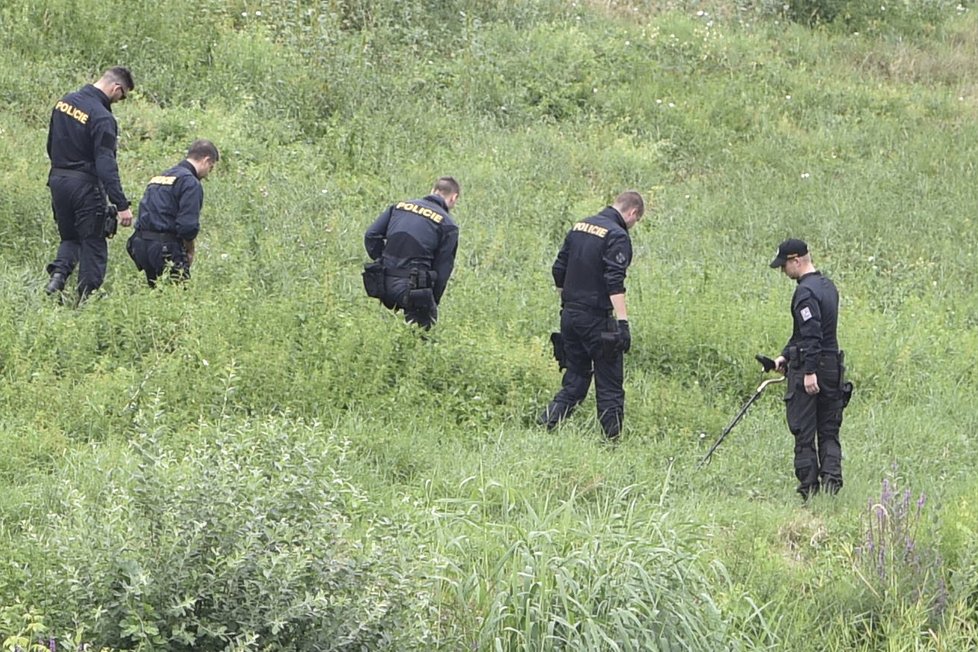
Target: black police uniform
point(591, 266)
point(82, 147)
point(169, 215)
point(416, 242)
point(814, 348)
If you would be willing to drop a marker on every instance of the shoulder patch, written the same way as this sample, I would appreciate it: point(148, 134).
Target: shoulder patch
point(806, 313)
point(620, 258)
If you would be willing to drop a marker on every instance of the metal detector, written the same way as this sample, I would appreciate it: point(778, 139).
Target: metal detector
point(768, 365)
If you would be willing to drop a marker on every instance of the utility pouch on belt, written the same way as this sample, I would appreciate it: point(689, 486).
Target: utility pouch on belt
point(111, 225)
point(421, 279)
point(796, 357)
point(373, 279)
point(557, 340)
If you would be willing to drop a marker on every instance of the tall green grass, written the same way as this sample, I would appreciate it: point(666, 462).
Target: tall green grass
point(266, 459)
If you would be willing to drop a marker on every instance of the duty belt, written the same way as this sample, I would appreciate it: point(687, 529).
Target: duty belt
point(591, 310)
point(399, 272)
point(75, 174)
point(158, 236)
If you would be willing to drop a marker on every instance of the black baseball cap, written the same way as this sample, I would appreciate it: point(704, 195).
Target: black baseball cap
point(787, 250)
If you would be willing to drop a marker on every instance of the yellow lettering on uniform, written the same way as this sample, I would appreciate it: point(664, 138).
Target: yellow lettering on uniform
point(590, 229)
point(72, 111)
point(162, 181)
point(420, 210)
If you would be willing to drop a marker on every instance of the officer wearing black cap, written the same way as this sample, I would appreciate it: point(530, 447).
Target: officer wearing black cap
point(815, 369)
point(169, 215)
point(413, 245)
point(590, 274)
point(82, 139)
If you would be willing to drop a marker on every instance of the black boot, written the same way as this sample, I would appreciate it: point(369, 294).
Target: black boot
point(553, 415)
point(56, 284)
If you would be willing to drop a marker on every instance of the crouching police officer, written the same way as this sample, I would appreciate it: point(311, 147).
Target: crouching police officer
point(169, 215)
point(413, 245)
point(816, 392)
point(82, 139)
point(590, 275)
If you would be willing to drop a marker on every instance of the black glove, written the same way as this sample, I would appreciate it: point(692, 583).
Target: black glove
point(624, 336)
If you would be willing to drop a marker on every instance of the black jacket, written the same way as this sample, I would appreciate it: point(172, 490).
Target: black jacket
point(815, 311)
point(593, 261)
point(83, 135)
point(172, 202)
point(417, 233)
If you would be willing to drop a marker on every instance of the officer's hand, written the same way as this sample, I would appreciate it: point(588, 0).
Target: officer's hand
point(779, 363)
point(624, 335)
point(125, 217)
point(811, 384)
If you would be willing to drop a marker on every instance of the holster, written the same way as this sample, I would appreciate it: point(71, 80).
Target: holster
point(423, 299)
point(557, 340)
point(129, 250)
point(846, 389)
point(373, 279)
point(845, 385)
point(111, 225)
point(610, 343)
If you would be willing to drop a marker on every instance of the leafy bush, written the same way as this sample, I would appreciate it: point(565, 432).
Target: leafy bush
point(251, 537)
point(856, 15)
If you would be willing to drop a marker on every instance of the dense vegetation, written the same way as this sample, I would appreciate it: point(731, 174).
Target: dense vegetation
point(266, 459)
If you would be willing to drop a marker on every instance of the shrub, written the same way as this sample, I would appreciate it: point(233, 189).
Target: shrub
point(250, 538)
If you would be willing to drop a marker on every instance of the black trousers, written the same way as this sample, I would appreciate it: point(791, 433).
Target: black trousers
point(153, 257)
point(815, 422)
point(587, 358)
point(418, 305)
point(80, 210)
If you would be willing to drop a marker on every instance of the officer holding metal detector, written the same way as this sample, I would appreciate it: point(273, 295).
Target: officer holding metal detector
point(817, 391)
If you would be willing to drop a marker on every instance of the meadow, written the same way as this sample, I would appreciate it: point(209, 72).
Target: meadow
point(266, 459)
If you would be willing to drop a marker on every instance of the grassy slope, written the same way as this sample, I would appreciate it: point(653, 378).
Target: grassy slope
point(741, 134)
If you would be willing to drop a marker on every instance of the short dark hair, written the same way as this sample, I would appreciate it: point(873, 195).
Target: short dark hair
point(630, 199)
point(447, 186)
point(120, 75)
point(201, 149)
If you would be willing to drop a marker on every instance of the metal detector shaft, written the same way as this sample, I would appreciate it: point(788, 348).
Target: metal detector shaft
point(743, 411)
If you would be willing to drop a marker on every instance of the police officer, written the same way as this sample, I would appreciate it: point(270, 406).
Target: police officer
point(814, 366)
point(169, 215)
point(590, 275)
point(413, 244)
point(82, 140)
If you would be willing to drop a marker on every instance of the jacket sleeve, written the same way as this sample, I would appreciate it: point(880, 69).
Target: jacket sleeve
point(190, 199)
point(444, 262)
point(559, 269)
point(376, 236)
point(807, 314)
point(617, 258)
point(104, 139)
